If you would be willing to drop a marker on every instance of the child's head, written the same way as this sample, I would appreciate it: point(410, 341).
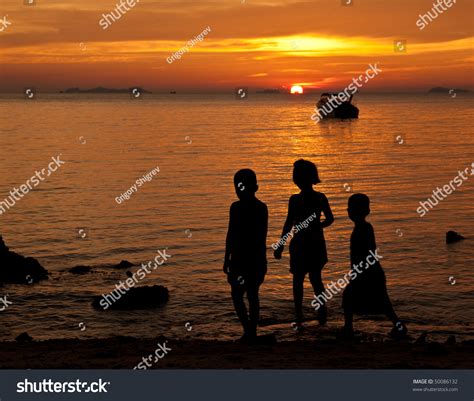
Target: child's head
point(245, 182)
point(358, 207)
point(305, 174)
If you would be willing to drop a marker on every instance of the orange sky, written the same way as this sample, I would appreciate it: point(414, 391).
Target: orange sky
point(256, 43)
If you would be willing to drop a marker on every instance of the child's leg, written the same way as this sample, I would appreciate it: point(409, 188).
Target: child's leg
point(348, 318)
point(298, 280)
point(318, 287)
point(348, 309)
point(254, 308)
point(399, 329)
point(397, 323)
point(239, 305)
point(391, 313)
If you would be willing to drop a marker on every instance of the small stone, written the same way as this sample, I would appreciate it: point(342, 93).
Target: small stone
point(124, 264)
point(422, 338)
point(24, 338)
point(453, 236)
point(80, 270)
point(451, 340)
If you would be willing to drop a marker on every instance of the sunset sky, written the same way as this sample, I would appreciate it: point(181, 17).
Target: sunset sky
point(318, 44)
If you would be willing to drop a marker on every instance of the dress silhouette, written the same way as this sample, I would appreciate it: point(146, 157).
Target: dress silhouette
point(366, 293)
point(308, 246)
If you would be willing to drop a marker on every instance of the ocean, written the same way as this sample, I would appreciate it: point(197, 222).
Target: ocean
point(402, 148)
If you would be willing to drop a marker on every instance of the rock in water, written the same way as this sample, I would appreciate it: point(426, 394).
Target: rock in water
point(134, 298)
point(451, 340)
point(16, 269)
point(24, 338)
point(453, 236)
point(124, 264)
point(80, 270)
point(422, 338)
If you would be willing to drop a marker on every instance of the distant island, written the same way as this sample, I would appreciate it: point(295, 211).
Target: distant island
point(270, 91)
point(440, 89)
point(104, 90)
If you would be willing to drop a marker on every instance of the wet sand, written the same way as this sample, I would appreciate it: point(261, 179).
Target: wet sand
point(127, 352)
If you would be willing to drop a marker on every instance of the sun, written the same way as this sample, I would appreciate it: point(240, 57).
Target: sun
point(296, 90)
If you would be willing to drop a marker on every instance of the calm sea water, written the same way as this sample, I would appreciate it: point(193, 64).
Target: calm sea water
point(199, 142)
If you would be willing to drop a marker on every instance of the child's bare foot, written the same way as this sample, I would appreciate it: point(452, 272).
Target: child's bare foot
point(346, 333)
point(248, 338)
point(323, 316)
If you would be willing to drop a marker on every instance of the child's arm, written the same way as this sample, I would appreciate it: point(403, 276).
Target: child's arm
point(328, 216)
point(228, 241)
point(371, 245)
point(265, 225)
point(287, 227)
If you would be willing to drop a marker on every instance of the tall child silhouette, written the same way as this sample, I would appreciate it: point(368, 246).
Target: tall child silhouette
point(367, 291)
point(308, 246)
point(245, 260)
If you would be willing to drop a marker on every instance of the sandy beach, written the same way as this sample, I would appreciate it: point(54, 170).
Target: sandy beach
point(127, 352)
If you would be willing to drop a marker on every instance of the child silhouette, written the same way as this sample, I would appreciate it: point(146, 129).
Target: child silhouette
point(367, 291)
point(245, 260)
point(308, 246)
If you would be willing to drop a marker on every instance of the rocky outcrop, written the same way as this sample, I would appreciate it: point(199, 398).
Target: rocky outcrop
point(17, 269)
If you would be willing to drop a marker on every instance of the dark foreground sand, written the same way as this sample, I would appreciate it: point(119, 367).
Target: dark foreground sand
point(125, 353)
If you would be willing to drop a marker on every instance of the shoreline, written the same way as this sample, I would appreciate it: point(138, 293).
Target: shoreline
point(127, 352)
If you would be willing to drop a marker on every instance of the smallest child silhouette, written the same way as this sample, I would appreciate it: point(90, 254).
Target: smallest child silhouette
point(245, 261)
point(366, 294)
